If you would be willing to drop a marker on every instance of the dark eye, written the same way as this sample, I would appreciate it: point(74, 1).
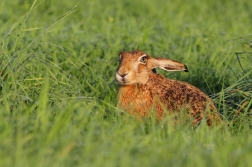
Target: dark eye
point(120, 58)
point(143, 59)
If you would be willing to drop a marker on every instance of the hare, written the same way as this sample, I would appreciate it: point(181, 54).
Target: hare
point(141, 90)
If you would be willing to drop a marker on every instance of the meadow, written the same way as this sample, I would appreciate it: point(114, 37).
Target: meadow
point(58, 89)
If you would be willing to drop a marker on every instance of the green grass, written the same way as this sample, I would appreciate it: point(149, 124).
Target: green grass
point(58, 91)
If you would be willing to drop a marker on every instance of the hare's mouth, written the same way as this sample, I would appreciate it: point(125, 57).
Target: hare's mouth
point(122, 79)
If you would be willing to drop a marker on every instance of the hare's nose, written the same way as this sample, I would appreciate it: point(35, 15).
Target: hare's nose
point(122, 75)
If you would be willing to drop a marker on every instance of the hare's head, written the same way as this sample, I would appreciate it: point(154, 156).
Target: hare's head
point(136, 67)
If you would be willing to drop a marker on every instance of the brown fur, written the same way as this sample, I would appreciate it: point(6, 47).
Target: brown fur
point(141, 90)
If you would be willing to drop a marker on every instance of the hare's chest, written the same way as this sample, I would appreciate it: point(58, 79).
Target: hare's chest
point(137, 101)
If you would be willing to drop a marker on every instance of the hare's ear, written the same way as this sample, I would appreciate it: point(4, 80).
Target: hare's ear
point(166, 64)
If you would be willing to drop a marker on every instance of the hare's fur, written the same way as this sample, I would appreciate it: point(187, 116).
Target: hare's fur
point(141, 90)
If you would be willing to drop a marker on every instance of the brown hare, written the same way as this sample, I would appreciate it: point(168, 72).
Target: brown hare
point(141, 90)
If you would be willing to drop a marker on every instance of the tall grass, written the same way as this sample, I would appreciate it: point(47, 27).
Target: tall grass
point(58, 92)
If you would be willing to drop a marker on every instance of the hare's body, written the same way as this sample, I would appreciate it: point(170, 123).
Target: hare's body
point(142, 91)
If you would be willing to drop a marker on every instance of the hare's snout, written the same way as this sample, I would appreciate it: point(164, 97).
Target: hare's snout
point(121, 78)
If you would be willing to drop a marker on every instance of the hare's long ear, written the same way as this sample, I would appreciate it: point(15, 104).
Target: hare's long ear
point(166, 64)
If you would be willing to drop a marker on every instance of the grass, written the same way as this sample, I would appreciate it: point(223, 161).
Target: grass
point(58, 92)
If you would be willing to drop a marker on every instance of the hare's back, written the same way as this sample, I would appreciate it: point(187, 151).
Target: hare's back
point(178, 93)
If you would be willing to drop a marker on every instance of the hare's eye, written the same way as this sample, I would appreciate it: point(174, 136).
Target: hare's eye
point(120, 59)
point(143, 59)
